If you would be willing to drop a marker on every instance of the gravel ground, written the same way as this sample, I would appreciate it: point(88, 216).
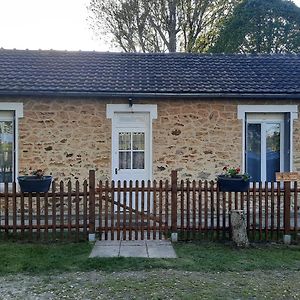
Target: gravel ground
point(155, 284)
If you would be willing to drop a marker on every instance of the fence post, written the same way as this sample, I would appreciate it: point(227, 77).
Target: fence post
point(174, 235)
point(287, 212)
point(92, 206)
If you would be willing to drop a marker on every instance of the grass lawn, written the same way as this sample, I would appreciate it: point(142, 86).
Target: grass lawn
point(200, 257)
point(201, 271)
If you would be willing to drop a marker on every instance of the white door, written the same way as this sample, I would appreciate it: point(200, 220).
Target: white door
point(131, 147)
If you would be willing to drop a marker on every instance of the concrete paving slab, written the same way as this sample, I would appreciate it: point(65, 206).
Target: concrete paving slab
point(105, 251)
point(133, 243)
point(107, 243)
point(162, 252)
point(157, 243)
point(134, 248)
point(133, 251)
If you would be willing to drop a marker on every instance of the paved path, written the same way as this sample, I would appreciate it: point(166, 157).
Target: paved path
point(139, 248)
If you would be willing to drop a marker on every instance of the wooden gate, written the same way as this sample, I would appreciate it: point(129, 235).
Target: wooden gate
point(132, 210)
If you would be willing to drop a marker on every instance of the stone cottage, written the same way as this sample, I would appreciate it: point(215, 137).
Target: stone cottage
point(139, 116)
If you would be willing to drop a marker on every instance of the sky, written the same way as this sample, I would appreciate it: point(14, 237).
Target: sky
point(48, 24)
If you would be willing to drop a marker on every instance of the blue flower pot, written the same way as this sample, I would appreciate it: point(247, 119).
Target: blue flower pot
point(34, 184)
point(233, 184)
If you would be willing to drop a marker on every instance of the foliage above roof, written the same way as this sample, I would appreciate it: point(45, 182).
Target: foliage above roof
point(134, 74)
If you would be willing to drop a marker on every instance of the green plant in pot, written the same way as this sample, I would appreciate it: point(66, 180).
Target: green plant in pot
point(35, 183)
point(231, 180)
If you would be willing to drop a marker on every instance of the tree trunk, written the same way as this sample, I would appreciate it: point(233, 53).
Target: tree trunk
point(172, 26)
point(239, 230)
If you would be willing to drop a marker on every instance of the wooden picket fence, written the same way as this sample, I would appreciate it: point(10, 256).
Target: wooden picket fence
point(147, 210)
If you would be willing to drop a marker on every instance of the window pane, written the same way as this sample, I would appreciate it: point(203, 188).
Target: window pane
point(124, 141)
point(253, 151)
point(138, 141)
point(273, 150)
point(6, 151)
point(138, 160)
point(124, 160)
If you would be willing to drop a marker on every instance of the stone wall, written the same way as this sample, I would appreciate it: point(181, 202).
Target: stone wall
point(67, 137)
point(197, 138)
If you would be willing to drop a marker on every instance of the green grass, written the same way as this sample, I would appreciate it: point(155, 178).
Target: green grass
point(203, 257)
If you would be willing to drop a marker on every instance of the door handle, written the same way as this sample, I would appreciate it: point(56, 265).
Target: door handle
point(116, 171)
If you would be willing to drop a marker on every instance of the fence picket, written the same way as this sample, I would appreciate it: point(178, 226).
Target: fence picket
point(125, 191)
point(106, 211)
point(69, 201)
point(218, 213)
point(46, 215)
point(118, 209)
point(23, 216)
point(160, 207)
point(137, 207)
point(130, 209)
point(38, 216)
point(194, 207)
point(77, 199)
point(166, 208)
point(212, 208)
point(248, 212)
point(254, 211)
point(296, 208)
point(182, 226)
point(260, 210)
point(200, 206)
point(272, 210)
point(154, 209)
point(188, 209)
point(206, 208)
point(53, 211)
point(278, 210)
point(61, 204)
point(148, 210)
point(30, 214)
point(14, 199)
point(112, 211)
point(266, 210)
point(6, 209)
point(85, 202)
point(224, 215)
point(142, 208)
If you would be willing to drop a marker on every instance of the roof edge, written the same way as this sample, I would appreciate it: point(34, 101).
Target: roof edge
point(295, 95)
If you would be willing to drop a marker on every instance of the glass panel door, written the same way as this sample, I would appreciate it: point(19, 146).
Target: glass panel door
point(253, 151)
point(6, 151)
point(272, 150)
point(264, 148)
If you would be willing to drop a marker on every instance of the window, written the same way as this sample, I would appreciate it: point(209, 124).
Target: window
point(9, 115)
point(7, 146)
point(267, 139)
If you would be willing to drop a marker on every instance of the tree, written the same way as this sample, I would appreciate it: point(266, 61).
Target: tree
point(160, 25)
point(260, 26)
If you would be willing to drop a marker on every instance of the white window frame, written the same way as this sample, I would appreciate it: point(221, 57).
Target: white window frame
point(17, 109)
point(242, 110)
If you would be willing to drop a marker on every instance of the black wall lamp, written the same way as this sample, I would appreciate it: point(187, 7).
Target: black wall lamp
point(130, 102)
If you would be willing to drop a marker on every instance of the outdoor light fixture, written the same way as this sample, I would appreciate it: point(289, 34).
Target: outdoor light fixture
point(130, 102)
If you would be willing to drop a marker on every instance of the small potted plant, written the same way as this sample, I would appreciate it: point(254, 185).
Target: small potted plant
point(37, 182)
point(231, 180)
